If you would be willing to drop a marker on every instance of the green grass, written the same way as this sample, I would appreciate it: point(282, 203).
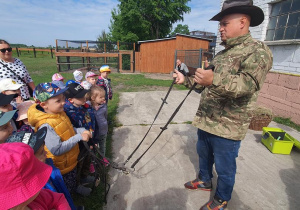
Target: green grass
point(188, 122)
point(287, 122)
point(43, 67)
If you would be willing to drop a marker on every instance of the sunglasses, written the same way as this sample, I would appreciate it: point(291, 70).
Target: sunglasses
point(6, 49)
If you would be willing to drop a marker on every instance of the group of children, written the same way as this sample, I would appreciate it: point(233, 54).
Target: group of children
point(61, 117)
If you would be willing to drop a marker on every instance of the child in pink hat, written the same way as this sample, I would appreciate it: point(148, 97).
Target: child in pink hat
point(22, 177)
point(58, 80)
point(22, 116)
point(91, 77)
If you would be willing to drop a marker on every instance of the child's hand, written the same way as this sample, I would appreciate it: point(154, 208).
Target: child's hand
point(19, 100)
point(86, 135)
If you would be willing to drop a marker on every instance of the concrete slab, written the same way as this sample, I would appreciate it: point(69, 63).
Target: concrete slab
point(263, 181)
point(141, 107)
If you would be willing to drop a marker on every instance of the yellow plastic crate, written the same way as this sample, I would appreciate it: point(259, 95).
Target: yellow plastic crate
point(277, 140)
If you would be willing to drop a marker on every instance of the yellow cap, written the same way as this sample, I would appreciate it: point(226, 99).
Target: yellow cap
point(104, 69)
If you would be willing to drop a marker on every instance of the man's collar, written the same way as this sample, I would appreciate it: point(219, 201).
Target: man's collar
point(235, 41)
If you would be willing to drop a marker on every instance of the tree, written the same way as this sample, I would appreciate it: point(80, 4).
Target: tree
point(135, 20)
point(180, 29)
point(104, 38)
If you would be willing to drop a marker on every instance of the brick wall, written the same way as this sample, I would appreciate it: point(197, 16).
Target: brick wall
point(281, 93)
point(286, 58)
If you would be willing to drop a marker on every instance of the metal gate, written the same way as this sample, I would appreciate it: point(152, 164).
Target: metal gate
point(193, 58)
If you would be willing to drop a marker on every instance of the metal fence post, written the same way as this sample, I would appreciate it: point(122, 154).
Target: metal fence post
point(175, 59)
point(200, 58)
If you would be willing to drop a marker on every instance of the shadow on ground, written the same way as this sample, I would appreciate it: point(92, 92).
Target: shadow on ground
point(169, 199)
point(290, 177)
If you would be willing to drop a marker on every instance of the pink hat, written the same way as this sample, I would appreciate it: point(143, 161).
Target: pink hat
point(23, 108)
point(22, 175)
point(90, 74)
point(57, 77)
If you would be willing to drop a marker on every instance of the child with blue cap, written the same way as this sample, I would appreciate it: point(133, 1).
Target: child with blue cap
point(61, 142)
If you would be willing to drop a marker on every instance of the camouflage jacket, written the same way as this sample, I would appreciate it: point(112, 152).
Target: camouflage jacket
point(240, 71)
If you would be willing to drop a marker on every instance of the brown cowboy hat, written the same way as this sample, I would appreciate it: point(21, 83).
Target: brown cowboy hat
point(242, 7)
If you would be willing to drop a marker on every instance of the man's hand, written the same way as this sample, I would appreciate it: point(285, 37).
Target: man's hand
point(86, 135)
point(204, 77)
point(179, 77)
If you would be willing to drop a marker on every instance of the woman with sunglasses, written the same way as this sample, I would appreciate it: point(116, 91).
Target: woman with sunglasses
point(14, 68)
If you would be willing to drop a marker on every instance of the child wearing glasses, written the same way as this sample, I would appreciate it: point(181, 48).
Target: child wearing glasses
point(14, 68)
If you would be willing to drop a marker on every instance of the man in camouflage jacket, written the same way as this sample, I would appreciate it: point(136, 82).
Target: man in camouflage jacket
point(223, 116)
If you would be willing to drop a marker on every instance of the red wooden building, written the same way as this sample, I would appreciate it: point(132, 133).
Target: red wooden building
point(158, 56)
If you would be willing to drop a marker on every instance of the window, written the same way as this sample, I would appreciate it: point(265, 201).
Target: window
point(284, 22)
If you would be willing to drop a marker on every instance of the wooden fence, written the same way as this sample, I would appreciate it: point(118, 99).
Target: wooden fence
point(85, 57)
point(72, 54)
point(35, 50)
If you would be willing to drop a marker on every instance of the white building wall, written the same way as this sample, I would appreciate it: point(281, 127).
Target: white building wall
point(286, 55)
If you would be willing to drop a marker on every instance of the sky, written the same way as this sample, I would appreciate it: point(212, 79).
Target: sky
point(41, 22)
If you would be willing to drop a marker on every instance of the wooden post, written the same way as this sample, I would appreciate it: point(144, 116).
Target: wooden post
point(82, 61)
point(34, 53)
point(88, 61)
point(57, 63)
point(131, 62)
point(68, 61)
point(17, 52)
point(56, 48)
point(118, 44)
point(134, 46)
point(105, 58)
point(120, 62)
point(51, 53)
point(68, 57)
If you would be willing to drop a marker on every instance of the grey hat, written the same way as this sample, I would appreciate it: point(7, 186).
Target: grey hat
point(242, 7)
point(34, 140)
point(5, 117)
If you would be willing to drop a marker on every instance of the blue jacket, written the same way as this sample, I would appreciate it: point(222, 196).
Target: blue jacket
point(57, 184)
point(82, 116)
